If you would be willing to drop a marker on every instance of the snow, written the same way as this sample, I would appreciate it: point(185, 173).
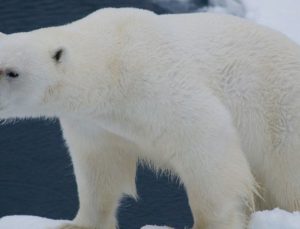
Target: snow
point(29, 222)
point(275, 219)
point(281, 15)
point(155, 227)
point(234, 7)
point(35, 222)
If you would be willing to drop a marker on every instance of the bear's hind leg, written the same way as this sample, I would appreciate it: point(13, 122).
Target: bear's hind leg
point(219, 187)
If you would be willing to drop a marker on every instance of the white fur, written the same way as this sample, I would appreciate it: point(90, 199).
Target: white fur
point(201, 95)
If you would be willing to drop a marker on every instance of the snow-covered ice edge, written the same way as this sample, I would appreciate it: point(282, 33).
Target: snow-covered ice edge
point(35, 222)
point(275, 219)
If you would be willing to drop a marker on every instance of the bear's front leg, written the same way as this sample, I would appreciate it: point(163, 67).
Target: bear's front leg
point(104, 170)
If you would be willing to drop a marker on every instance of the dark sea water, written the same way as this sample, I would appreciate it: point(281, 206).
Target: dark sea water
point(36, 176)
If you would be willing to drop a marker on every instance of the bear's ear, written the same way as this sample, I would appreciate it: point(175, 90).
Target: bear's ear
point(58, 55)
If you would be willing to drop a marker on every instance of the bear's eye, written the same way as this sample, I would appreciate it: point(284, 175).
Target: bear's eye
point(57, 55)
point(12, 74)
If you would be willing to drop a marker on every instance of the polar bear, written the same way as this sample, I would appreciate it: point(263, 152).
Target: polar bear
point(212, 98)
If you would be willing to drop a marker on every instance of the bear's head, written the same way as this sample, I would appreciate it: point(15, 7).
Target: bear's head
point(44, 73)
point(30, 75)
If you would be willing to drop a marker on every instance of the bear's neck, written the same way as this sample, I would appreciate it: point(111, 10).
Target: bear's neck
point(142, 121)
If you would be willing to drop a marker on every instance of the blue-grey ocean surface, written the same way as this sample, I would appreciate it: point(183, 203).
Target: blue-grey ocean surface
point(36, 176)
